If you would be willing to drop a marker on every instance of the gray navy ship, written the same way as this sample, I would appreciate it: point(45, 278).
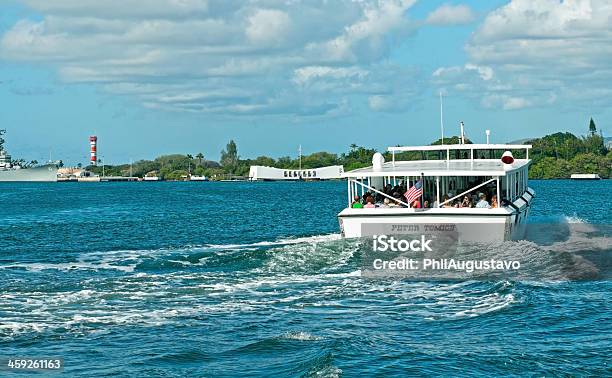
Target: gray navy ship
point(12, 171)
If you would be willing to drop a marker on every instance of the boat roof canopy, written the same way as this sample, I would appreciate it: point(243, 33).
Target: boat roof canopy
point(452, 168)
point(445, 147)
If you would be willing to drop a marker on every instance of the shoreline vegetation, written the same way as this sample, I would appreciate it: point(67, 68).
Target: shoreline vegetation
point(554, 156)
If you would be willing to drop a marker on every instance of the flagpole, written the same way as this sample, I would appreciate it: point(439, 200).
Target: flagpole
point(422, 190)
point(300, 153)
point(441, 119)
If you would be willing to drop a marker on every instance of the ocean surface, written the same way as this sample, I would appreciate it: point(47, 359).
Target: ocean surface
point(253, 279)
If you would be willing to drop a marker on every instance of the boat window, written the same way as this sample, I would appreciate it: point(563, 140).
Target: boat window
point(517, 184)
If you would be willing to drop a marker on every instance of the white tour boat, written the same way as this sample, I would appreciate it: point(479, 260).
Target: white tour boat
point(455, 170)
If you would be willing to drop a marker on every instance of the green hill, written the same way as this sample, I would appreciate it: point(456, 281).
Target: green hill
point(561, 154)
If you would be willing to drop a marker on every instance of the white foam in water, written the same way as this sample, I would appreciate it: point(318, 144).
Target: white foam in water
point(574, 219)
point(301, 336)
point(38, 267)
point(300, 274)
point(127, 260)
point(305, 240)
point(487, 304)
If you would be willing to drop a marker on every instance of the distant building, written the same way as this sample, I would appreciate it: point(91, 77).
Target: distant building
point(76, 174)
point(151, 176)
point(259, 172)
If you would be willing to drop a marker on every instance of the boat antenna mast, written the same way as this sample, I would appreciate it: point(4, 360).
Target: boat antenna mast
point(462, 132)
point(2, 132)
point(441, 119)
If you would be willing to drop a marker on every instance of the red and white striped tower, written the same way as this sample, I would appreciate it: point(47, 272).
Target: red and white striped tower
point(93, 149)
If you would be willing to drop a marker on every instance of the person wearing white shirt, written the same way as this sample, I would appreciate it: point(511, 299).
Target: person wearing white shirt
point(483, 204)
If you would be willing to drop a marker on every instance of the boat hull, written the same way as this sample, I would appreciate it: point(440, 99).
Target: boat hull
point(43, 173)
point(472, 225)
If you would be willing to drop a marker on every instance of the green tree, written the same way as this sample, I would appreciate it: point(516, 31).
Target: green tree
point(284, 162)
point(200, 157)
point(200, 171)
point(451, 140)
point(592, 128)
point(265, 161)
point(229, 157)
point(586, 163)
point(319, 159)
point(189, 159)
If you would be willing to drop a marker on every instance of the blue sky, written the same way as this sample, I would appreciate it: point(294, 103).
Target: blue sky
point(167, 76)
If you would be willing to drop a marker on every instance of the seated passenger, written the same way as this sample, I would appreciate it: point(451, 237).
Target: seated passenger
point(444, 199)
point(467, 202)
point(398, 199)
point(365, 197)
point(426, 204)
point(483, 204)
point(369, 202)
point(356, 203)
point(386, 203)
point(494, 202)
point(416, 204)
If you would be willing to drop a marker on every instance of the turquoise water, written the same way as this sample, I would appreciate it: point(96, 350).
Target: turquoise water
point(226, 279)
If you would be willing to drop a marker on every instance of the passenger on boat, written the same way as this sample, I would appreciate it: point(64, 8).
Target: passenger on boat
point(416, 204)
point(370, 202)
point(483, 204)
point(386, 203)
point(426, 204)
point(494, 202)
point(444, 199)
point(467, 202)
point(365, 197)
point(397, 197)
point(357, 203)
point(378, 198)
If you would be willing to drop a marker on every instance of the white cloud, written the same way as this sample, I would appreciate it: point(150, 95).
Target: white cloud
point(267, 26)
point(122, 9)
point(221, 56)
point(540, 53)
point(504, 101)
point(363, 39)
point(305, 75)
point(451, 15)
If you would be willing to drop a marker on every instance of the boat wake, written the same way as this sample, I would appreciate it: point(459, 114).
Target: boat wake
point(309, 275)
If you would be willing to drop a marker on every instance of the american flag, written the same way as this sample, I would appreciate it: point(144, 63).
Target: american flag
point(414, 192)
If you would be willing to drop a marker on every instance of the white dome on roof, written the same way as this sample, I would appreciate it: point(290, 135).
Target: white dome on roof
point(377, 161)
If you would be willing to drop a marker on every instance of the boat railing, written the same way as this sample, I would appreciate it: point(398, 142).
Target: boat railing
point(458, 148)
